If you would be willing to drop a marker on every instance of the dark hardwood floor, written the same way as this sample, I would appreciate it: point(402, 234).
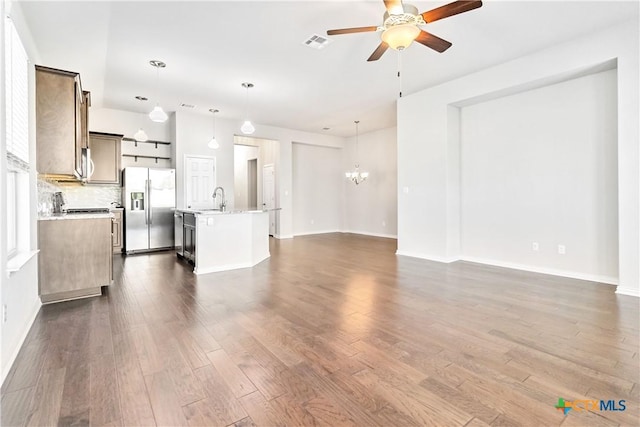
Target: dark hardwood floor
point(332, 330)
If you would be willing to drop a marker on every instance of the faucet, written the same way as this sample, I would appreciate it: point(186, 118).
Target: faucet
point(223, 202)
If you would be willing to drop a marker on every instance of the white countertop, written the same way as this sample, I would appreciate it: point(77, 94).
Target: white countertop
point(66, 216)
point(217, 212)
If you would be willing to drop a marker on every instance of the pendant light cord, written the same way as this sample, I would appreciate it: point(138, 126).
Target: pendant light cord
point(357, 138)
point(400, 74)
point(157, 84)
point(246, 104)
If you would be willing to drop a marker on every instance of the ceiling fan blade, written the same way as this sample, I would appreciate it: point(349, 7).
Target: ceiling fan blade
point(382, 48)
point(351, 30)
point(434, 42)
point(450, 9)
point(393, 5)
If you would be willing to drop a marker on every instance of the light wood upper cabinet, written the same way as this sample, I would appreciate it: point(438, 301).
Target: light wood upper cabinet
point(59, 105)
point(105, 154)
point(84, 118)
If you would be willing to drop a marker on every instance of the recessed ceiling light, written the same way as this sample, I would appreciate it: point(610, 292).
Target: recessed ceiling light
point(142, 98)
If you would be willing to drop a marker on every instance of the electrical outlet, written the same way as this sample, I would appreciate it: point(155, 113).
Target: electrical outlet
point(562, 249)
point(312, 222)
point(384, 223)
point(405, 190)
point(535, 246)
point(4, 313)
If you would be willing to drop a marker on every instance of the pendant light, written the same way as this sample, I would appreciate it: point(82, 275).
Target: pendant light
point(213, 143)
point(158, 114)
point(140, 136)
point(356, 176)
point(247, 128)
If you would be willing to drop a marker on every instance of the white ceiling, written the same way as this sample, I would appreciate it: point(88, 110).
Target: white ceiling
point(211, 47)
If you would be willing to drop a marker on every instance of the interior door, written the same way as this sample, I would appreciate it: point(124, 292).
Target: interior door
point(200, 181)
point(269, 195)
point(162, 203)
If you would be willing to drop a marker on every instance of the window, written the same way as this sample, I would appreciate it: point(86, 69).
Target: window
point(16, 65)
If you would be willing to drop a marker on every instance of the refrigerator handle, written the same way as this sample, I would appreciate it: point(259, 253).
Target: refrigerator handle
point(146, 208)
point(149, 200)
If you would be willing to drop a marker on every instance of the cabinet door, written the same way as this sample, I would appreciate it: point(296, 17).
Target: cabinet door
point(105, 154)
point(117, 231)
point(56, 97)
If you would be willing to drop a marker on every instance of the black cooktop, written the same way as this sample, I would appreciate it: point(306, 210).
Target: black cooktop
point(87, 210)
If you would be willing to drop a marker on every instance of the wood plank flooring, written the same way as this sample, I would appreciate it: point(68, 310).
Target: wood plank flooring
point(332, 330)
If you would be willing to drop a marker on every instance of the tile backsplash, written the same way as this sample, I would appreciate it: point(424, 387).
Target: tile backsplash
point(78, 195)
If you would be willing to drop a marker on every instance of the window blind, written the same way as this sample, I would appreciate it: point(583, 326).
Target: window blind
point(17, 98)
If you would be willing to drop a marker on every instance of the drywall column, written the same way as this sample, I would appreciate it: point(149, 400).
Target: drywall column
point(424, 172)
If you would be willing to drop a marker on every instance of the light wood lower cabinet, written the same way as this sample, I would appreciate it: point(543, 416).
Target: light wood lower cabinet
point(75, 258)
point(117, 230)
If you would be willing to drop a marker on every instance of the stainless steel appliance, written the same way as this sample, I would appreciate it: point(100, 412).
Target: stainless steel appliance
point(178, 232)
point(149, 200)
point(189, 237)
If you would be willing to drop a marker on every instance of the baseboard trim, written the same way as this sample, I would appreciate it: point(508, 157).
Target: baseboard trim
point(311, 233)
point(550, 271)
point(427, 256)
point(628, 291)
point(366, 233)
point(14, 355)
point(283, 236)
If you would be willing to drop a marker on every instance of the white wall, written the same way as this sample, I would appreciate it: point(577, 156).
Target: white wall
point(268, 153)
point(19, 291)
point(427, 143)
point(193, 131)
point(318, 185)
point(127, 123)
point(372, 206)
point(541, 166)
point(242, 154)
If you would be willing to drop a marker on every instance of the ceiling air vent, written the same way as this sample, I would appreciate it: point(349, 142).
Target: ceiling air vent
point(317, 42)
point(190, 106)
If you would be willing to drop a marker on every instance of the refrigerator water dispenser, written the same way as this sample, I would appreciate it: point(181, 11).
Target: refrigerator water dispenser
point(137, 201)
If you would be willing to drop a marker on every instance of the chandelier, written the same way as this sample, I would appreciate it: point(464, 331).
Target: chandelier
point(355, 175)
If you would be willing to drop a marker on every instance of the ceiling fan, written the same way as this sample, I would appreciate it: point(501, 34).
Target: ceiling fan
point(401, 22)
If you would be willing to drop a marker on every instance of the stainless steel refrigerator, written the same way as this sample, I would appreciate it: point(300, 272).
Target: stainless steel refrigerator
point(149, 200)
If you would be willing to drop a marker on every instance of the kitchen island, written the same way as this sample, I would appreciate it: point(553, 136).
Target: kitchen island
point(219, 241)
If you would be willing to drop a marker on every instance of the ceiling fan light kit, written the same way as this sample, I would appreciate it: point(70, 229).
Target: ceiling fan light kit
point(400, 26)
point(399, 37)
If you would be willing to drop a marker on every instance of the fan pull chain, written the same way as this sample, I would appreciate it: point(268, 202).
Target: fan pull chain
point(399, 74)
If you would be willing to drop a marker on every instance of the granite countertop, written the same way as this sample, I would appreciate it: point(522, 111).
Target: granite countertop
point(66, 216)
